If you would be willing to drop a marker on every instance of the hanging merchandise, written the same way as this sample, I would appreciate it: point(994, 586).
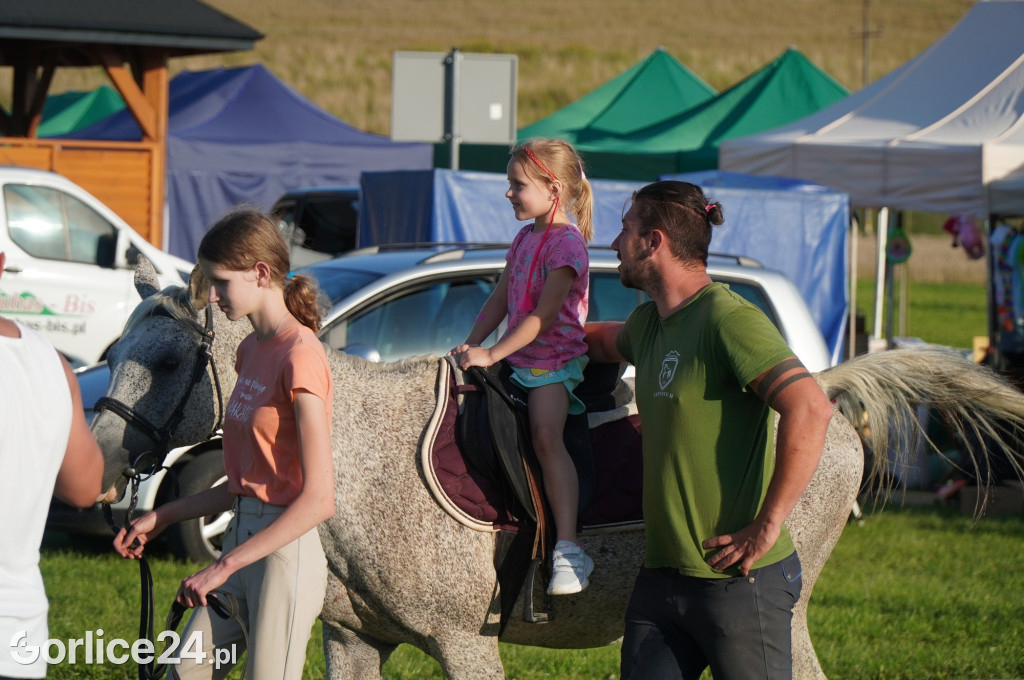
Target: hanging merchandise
point(966, 234)
point(897, 247)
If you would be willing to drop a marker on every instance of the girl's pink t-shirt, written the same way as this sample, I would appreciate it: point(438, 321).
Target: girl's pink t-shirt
point(564, 338)
point(261, 439)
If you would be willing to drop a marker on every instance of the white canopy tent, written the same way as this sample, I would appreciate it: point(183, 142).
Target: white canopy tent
point(934, 135)
point(930, 136)
point(1006, 195)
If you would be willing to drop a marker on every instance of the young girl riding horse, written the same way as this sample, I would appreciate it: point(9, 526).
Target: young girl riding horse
point(544, 293)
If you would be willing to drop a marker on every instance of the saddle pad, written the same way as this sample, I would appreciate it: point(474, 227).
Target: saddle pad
point(462, 491)
point(478, 503)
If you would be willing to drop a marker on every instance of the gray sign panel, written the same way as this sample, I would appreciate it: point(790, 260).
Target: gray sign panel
point(471, 96)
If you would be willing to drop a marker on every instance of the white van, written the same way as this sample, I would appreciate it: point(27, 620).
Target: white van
point(70, 263)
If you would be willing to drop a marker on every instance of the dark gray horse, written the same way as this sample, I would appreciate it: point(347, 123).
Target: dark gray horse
point(403, 570)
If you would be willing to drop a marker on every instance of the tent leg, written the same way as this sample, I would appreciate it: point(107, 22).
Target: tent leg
point(882, 234)
point(851, 350)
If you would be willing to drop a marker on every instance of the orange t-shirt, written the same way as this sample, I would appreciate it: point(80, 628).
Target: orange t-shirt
point(261, 442)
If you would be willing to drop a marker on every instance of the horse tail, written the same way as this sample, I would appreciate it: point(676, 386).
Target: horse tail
point(880, 394)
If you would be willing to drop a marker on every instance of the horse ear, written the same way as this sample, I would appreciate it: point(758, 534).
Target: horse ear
point(198, 288)
point(145, 278)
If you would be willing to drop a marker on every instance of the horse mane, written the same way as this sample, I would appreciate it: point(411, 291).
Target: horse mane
point(175, 300)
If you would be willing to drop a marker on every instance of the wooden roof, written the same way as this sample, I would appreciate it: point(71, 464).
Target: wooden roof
point(176, 27)
point(132, 40)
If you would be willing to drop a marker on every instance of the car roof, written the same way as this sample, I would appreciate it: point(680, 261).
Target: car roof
point(390, 259)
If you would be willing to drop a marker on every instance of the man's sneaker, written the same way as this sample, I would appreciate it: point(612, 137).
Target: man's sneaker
point(571, 569)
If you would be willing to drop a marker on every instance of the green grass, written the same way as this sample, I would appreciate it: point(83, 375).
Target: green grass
point(909, 594)
point(949, 314)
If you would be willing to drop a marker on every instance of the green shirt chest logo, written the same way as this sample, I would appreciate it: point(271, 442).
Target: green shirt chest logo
point(668, 369)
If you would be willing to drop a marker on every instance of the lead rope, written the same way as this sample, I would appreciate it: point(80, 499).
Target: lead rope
point(223, 604)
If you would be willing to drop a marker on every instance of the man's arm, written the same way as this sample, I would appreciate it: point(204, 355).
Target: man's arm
point(600, 338)
point(81, 472)
point(804, 414)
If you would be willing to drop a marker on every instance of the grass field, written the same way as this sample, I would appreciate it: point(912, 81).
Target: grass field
point(339, 54)
point(909, 594)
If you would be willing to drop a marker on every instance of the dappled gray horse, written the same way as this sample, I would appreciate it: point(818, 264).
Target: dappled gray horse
point(402, 570)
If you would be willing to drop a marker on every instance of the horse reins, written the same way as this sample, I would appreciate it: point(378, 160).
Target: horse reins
point(147, 463)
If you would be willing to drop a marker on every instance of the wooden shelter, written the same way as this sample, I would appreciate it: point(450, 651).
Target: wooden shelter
point(133, 42)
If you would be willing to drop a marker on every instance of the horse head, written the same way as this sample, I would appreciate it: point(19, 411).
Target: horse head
point(170, 375)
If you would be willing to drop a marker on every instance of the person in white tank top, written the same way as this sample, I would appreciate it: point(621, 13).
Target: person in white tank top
point(46, 449)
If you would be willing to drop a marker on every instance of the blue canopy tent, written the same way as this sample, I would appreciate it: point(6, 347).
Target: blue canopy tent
point(243, 136)
point(790, 225)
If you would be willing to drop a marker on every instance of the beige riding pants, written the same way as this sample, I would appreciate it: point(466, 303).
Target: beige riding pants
point(279, 597)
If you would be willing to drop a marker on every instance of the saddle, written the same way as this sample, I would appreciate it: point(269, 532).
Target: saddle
point(478, 461)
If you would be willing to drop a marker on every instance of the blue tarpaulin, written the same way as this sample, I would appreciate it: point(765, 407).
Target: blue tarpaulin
point(241, 135)
point(796, 227)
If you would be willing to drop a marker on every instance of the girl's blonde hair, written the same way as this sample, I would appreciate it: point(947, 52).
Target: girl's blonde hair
point(246, 236)
point(555, 159)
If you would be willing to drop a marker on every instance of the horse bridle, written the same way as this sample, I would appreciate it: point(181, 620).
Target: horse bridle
point(149, 461)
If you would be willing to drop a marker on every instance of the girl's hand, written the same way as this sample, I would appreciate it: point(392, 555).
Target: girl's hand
point(193, 589)
point(129, 543)
point(474, 356)
point(460, 349)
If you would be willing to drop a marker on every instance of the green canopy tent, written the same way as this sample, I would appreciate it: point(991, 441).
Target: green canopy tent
point(70, 111)
point(653, 89)
point(650, 91)
point(788, 88)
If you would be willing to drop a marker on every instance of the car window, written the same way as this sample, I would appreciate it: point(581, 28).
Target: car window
point(427, 319)
point(92, 239)
point(609, 299)
point(753, 294)
point(35, 221)
point(338, 284)
point(329, 224)
point(47, 223)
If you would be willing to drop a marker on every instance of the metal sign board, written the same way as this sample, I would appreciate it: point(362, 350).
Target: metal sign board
point(458, 97)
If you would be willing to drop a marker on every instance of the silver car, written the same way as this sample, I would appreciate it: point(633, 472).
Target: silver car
point(397, 301)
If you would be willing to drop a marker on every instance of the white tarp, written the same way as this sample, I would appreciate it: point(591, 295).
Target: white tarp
point(1006, 196)
point(929, 136)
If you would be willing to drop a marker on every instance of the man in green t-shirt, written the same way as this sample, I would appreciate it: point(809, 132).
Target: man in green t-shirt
point(720, 577)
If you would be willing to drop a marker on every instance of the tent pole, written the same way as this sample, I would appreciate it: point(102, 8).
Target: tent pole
point(882, 235)
point(851, 350)
point(992, 322)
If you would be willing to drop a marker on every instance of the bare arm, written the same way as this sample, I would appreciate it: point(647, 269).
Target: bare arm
point(81, 472)
point(555, 290)
point(804, 414)
point(313, 505)
point(130, 543)
point(601, 345)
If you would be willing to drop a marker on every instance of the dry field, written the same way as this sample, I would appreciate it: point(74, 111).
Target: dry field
point(338, 53)
point(932, 260)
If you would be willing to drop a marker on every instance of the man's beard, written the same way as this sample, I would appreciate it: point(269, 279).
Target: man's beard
point(639, 274)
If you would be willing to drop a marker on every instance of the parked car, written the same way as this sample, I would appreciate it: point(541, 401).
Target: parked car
point(391, 303)
point(318, 222)
point(70, 262)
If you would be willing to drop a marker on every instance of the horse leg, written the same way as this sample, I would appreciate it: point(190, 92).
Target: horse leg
point(351, 656)
point(468, 656)
point(816, 523)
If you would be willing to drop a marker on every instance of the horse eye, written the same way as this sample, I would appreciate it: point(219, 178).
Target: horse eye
point(169, 365)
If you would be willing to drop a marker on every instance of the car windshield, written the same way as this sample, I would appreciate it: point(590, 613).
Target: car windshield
point(337, 283)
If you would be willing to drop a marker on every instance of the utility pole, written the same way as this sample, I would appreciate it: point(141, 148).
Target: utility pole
point(866, 34)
